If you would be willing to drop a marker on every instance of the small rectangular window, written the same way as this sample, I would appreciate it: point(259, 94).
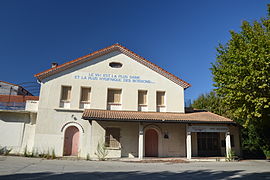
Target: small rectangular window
point(85, 94)
point(112, 137)
point(142, 97)
point(66, 93)
point(114, 96)
point(160, 98)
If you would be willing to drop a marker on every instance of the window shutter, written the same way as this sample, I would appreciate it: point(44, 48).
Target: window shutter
point(160, 98)
point(142, 97)
point(114, 96)
point(85, 94)
point(117, 96)
point(66, 93)
point(110, 96)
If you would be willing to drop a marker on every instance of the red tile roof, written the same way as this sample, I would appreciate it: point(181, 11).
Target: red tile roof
point(17, 98)
point(115, 47)
point(128, 116)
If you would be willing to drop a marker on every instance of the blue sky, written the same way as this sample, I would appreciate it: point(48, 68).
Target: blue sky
point(178, 35)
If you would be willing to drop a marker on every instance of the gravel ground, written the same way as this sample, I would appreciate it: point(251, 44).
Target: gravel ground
point(35, 168)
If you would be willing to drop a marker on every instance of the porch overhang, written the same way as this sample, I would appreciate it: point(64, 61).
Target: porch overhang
point(196, 117)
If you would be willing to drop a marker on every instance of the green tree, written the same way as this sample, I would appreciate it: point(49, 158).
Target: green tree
point(242, 79)
point(209, 102)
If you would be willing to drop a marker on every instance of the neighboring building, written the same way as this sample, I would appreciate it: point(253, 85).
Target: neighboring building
point(7, 88)
point(18, 111)
point(136, 108)
point(15, 102)
point(17, 123)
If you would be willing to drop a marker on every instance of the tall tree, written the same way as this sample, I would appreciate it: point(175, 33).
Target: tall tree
point(209, 102)
point(242, 78)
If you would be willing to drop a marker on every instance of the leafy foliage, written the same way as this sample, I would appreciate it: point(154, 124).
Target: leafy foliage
point(5, 150)
point(35, 153)
point(209, 102)
point(267, 153)
point(242, 79)
point(231, 155)
point(88, 157)
point(102, 151)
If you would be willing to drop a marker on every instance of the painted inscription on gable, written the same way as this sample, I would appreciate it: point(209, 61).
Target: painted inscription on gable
point(112, 77)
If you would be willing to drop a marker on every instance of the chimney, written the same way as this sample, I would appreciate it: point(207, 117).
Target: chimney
point(54, 64)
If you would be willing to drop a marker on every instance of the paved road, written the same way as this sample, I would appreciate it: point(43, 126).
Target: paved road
point(34, 168)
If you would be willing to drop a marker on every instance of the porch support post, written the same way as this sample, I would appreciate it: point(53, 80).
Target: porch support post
point(228, 143)
point(141, 134)
point(188, 143)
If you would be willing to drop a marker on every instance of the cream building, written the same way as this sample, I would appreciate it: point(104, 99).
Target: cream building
point(135, 108)
point(17, 128)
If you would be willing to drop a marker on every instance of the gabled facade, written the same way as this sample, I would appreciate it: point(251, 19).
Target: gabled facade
point(135, 108)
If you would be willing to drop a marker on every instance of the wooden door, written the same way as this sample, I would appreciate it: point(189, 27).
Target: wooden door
point(151, 143)
point(71, 142)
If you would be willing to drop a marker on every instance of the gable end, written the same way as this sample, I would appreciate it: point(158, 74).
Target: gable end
point(115, 47)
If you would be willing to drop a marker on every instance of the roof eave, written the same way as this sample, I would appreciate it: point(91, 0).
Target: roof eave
point(159, 121)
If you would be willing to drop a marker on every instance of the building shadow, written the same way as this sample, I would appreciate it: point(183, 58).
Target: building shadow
point(132, 175)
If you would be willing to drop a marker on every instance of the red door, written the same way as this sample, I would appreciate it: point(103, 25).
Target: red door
point(71, 141)
point(151, 143)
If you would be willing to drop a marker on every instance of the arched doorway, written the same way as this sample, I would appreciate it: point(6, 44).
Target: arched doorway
point(71, 142)
point(151, 143)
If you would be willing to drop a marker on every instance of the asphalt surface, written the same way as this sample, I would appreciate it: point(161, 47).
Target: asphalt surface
point(35, 168)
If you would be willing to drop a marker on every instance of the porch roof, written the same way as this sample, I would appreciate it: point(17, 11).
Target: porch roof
point(131, 116)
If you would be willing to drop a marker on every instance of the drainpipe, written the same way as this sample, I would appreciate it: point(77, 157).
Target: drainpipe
point(22, 136)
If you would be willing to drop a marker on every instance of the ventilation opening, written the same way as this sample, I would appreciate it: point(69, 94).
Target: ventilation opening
point(115, 65)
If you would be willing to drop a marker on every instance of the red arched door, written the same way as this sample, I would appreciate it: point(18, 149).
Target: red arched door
point(151, 143)
point(71, 142)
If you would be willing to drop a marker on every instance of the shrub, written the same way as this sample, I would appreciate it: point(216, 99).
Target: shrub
point(88, 157)
point(47, 155)
point(33, 153)
point(267, 153)
point(53, 154)
point(102, 151)
point(231, 155)
point(44, 154)
point(5, 150)
point(25, 153)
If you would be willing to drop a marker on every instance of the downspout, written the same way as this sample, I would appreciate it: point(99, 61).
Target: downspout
point(22, 137)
